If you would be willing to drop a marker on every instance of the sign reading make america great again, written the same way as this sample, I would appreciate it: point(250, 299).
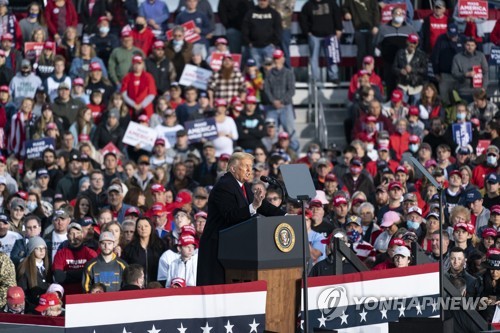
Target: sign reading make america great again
point(201, 129)
point(475, 9)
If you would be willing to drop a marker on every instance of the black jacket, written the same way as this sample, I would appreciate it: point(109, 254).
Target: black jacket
point(443, 52)
point(227, 207)
point(262, 27)
point(250, 130)
point(161, 73)
point(69, 186)
point(418, 65)
point(149, 259)
point(231, 11)
point(103, 136)
point(321, 19)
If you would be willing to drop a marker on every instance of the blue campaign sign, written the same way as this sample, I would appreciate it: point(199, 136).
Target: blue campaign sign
point(35, 148)
point(201, 129)
point(462, 133)
point(495, 55)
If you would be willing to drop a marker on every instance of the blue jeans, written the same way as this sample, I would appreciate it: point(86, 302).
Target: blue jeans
point(285, 117)
point(234, 39)
point(260, 53)
point(315, 47)
point(285, 45)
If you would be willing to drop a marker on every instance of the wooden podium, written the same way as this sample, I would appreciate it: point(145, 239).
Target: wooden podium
point(270, 249)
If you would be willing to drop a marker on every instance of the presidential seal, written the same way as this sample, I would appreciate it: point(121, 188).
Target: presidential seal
point(284, 237)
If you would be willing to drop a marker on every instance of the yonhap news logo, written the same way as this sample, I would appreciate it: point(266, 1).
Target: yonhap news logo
point(333, 302)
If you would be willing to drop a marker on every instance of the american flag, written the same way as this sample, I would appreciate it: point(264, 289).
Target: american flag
point(215, 309)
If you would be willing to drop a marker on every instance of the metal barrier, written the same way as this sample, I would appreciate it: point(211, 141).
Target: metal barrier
point(316, 107)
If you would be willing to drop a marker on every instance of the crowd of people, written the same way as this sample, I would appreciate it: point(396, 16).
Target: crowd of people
point(86, 218)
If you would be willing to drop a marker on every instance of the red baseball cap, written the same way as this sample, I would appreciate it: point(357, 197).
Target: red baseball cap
point(201, 214)
point(179, 282)
point(414, 139)
point(401, 168)
point(46, 301)
point(102, 18)
point(413, 38)
point(368, 60)
point(220, 102)
point(363, 72)
point(488, 232)
point(466, 226)
point(397, 242)
point(143, 118)
point(15, 295)
point(49, 45)
point(330, 178)
point(187, 239)
point(397, 96)
point(160, 141)
point(395, 184)
point(251, 99)
point(277, 54)
point(339, 200)
point(188, 230)
point(308, 214)
point(413, 111)
point(95, 66)
point(4, 88)
point(7, 36)
point(283, 136)
point(78, 82)
point(157, 188)
point(456, 173)
point(81, 137)
point(157, 209)
point(137, 59)
point(158, 44)
point(132, 210)
point(183, 198)
point(224, 157)
point(221, 40)
point(126, 33)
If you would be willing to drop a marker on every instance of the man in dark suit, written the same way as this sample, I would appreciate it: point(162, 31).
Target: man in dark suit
point(231, 201)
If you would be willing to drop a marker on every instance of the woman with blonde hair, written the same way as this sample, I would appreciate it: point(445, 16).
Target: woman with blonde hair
point(80, 66)
point(34, 274)
point(116, 102)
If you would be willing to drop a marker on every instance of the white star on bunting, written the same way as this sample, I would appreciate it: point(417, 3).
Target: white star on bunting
point(253, 326)
point(207, 328)
point(125, 331)
point(419, 308)
point(182, 329)
point(343, 318)
point(154, 330)
point(363, 315)
point(322, 320)
point(229, 327)
point(384, 313)
point(402, 311)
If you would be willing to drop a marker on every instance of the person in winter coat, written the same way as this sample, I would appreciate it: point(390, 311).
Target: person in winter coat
point(109, 131)
point(10, 25)
point(178, 51)
point(160, 67)
point(250, 125)
point(20, 126)
point(145, 249)
point(412, 73)
point(230, 14)
point(186, 265)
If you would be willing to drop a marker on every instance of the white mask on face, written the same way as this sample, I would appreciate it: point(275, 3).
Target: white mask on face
point(399, 19)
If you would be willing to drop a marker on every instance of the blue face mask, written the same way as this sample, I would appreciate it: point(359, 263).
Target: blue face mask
point(491, 160)
point(413, 148)
point(461, 116)
point(177, 42)
point(33, 15)
point(412, 225)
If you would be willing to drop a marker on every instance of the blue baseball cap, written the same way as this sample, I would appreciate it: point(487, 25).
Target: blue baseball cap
point(251, 62)
point(42, 173)
point(472, 196)
point(452, 30)
point(492, 178)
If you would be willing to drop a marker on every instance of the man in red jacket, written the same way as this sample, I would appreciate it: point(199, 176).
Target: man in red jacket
point(70, 260)
point(59, 15)
point(369, 66)
point(139, 89)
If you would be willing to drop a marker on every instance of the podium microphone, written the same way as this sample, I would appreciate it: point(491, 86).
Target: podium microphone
point(274, 182)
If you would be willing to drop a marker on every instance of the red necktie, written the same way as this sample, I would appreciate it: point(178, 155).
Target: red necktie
point(244, 191)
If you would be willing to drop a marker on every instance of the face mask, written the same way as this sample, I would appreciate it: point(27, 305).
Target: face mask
point(25, 73)
point(32, 205)
point(412, 225)
point(401, 130)
point(491, 160)
point(370, 146)
point(104, 30)
point(399, 19)
point(461, 116)
point(355, 170)
point(177, 42)
point(353, 236)
point(33, 15)
point(139, 27)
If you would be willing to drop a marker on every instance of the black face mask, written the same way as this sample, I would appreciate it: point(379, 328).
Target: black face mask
point(25, 73)
point(139, 27)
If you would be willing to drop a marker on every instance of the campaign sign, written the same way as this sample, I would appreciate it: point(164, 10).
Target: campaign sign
point(495, 55)
point(477, 79)
point(462, 134)
point(189, 35)
point(472, 8)
point(386, 12)
point(216, 60)
point(139, 135)
point(35, 148)
point(195, 76)
point(482, 145)
point(201, 129)
point(33, 50)
point(110, 148)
